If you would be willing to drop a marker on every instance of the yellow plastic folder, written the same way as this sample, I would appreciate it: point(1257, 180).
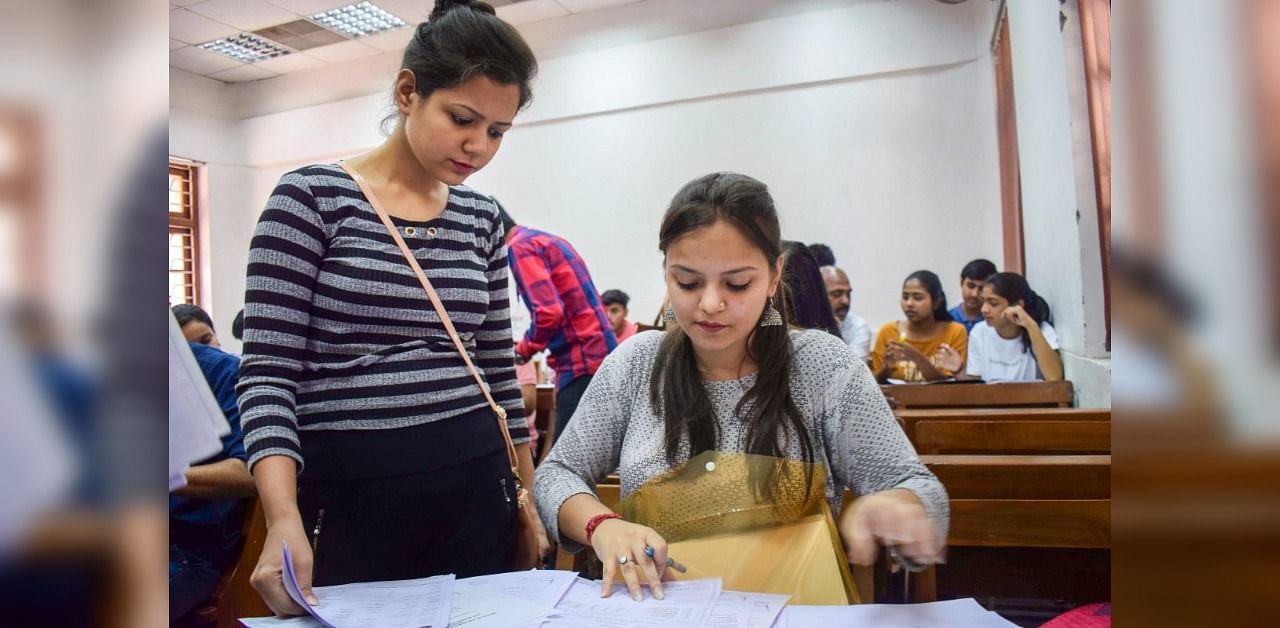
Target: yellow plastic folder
point(760, 523)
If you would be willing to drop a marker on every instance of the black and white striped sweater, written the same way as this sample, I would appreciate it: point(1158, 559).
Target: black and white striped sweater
point(339, 334)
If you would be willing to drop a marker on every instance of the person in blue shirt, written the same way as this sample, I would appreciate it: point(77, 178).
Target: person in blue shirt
point(206, 515)
point(969, 311)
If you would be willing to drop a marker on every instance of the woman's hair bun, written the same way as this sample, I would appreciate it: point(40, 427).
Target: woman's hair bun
point(444, 6)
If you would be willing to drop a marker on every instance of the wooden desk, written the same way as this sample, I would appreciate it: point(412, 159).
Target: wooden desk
point(1003, 395)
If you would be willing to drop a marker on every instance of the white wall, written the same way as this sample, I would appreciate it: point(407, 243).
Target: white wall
point(874, 126)
point(1059, 214)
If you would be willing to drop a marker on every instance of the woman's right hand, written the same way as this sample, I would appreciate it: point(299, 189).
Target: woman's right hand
point(268, 576)
point(615, 539)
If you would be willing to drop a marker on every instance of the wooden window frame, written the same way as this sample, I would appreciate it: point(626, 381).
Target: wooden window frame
point(188, 223)
point(1015, 256)
point(1095, 39)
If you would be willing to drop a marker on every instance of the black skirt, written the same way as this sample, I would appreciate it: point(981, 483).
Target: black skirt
point(412, 502)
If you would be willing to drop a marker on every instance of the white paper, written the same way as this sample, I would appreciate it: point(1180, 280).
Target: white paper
point(737, 609)
point(196, 422)
point(686, 603)
point(281, 622)
point(477, 607)
point(541, 587)
point(418, 603)
point(965, 613)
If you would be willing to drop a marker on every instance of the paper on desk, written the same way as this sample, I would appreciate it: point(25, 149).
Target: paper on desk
point(478, 607)
point(737, 609)
point(418, 603)
point(542, 587)
point(965, 613)
point(687, 603)
point(281, 622)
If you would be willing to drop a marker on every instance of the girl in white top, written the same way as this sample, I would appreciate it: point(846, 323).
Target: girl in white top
point(1015, 341)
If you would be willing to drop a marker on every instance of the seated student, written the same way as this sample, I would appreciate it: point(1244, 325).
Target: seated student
point(806, 294)
point(196, 325)
point(1015, 342)
point(729, 375)
point(205, 516)
point(969, 311)
point(615, 305)
point(908, 350)
point(853, 328)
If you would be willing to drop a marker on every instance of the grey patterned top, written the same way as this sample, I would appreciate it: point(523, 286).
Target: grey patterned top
point(850, 424)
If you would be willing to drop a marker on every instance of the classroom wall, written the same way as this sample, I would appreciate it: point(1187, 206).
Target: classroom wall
point(1060, 226)
point(874, 125)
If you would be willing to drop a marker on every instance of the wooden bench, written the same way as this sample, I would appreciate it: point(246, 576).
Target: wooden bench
point(909, 418)
point(1013, 437)
point(1013, 502)
point(977, 395)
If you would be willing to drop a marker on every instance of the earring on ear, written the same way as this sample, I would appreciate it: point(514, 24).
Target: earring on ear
point(668, 315)
point(771, 316)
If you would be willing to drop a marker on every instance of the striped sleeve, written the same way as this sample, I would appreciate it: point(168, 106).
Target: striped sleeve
point(284, 260)
point(495, 354)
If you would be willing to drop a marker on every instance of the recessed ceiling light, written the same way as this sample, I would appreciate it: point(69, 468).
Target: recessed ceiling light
point(358, 20)
point(246, 47)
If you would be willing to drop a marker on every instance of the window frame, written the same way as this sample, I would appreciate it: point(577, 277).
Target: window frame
point(188, 223)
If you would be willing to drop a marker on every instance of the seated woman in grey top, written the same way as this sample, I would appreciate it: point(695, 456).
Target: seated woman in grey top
point(730, 375)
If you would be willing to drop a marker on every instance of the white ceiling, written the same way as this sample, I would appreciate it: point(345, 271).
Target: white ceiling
point(553, 28)
point(193, 22)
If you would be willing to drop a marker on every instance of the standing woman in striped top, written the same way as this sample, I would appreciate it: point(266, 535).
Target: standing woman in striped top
point(375, 452)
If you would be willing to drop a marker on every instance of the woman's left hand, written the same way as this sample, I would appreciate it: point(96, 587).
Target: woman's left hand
point(892, 517)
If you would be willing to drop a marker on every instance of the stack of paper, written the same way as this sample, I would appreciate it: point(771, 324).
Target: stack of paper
point(965, 613)
point(686, 603)
point(559, 599)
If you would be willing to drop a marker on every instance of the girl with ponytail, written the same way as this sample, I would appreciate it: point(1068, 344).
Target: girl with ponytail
point(1015, 342)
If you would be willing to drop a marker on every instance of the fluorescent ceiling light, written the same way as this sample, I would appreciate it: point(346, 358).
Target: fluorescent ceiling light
point(245, 47)
point(358, 20)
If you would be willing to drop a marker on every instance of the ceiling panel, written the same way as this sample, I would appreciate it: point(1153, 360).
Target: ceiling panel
point(199, 61)
point(580, 6)
point(243, 14)
point(290, 63)
point(192, 28)
point(246, 72)
point(531, 11)
point(312, 7)
point(390, 41)
point(345, 51)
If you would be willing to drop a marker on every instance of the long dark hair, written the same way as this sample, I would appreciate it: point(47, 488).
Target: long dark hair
point(1013, 288)
point(676, 390)
point(933, 286)
point(805, 294)
point(462, 39)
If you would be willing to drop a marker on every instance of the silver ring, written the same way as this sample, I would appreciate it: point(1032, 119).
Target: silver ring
point(622, 560)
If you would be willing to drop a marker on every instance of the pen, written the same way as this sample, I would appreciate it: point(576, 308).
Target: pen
point(671, 562)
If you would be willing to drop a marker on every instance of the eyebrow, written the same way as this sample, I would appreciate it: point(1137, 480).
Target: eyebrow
point(691, 271)
point(481, 116)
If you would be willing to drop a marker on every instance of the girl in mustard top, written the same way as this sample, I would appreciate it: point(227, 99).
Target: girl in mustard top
point(909, 350)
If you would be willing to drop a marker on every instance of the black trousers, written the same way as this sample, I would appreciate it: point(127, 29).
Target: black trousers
point(567, 399)
point(459, 519)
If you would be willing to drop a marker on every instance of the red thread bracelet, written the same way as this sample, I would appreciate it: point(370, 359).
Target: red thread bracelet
point(595, 521)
